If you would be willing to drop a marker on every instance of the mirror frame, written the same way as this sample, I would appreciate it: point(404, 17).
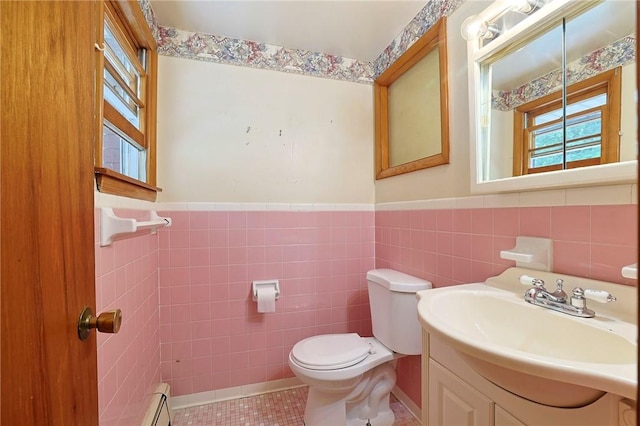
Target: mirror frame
point(435, 37)
point(477, 59)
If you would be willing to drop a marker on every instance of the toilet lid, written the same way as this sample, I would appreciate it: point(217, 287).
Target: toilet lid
point(330, 351)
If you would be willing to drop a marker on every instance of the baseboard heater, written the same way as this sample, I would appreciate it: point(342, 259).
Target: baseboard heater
point(158, 412)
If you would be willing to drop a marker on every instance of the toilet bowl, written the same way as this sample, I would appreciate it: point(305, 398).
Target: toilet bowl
point(350, 377)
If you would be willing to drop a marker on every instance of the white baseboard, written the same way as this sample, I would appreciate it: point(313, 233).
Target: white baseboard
point(407, 402)
point(201, 398)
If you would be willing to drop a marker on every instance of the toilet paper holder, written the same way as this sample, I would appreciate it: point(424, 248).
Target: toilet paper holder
point(265, 283)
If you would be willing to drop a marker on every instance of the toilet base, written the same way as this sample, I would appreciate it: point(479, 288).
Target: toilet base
point(367, 402)
point(385, 418)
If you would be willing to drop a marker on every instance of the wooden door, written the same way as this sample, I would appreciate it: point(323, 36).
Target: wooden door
point(46, 207)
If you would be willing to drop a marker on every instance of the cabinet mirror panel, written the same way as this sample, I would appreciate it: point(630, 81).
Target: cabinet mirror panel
point(558, 99)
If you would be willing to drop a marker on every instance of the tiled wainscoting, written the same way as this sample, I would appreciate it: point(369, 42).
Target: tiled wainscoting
point(456, 246)
point(128, 362)
point(185, 292)
point(212, 336)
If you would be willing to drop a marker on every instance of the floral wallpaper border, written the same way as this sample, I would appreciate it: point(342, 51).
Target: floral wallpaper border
point(149, 16)
point(618, 53)
point(227, 50)
point(232, 51)
point(425, 19)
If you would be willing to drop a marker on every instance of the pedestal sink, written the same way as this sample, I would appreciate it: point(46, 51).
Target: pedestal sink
point(541, 355)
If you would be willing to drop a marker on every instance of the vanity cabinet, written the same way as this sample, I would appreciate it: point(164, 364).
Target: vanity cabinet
point(454, 402)
point(504, 418)
point(455, 395)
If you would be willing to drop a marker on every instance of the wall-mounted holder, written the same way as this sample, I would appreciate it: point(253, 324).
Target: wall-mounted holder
point(630, 271)
point(531, 253)
point(257, 285)
point(113, 227)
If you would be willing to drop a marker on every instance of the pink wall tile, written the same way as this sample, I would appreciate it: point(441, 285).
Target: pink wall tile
point(482, 221)
point(444, 220)
point(320, 258)
point(571, 223)
point(535, 221)
point(572, 258)
point(188, 287)
point(462, 220)
point(608, 260)
point(128, 362)
point(463, 246)
point(506, 222)
point(615, 225)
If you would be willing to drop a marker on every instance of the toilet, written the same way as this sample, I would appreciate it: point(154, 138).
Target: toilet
point(350, 377)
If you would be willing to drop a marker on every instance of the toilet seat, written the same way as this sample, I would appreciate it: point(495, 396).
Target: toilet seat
point(331, 351)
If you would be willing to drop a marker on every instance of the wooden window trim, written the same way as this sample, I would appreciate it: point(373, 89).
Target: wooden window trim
point(434, 38)
point(114, 117)
point(111, 182)
point(130, 12)
point(136, 35)
point(607, 82)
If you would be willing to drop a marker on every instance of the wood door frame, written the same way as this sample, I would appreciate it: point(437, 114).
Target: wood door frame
point(49, 377)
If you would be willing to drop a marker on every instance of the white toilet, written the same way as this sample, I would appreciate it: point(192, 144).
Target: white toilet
point(350, 377)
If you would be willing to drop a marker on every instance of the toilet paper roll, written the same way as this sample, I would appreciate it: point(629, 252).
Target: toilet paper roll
point(266, 299)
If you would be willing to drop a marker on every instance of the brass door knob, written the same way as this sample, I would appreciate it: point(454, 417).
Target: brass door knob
point(106, 322)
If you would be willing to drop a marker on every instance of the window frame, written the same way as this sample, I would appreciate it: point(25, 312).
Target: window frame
point(608, 82)
point(434, 39)
point(134, 33)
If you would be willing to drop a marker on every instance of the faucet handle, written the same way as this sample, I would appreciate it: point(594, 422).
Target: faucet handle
point(527, 280)
point(579, 297)
point(599, 296)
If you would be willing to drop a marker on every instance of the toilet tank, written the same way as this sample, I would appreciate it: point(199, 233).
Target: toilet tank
point(394, 309)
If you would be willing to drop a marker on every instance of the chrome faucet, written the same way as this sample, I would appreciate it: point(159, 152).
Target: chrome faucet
point(558, 300)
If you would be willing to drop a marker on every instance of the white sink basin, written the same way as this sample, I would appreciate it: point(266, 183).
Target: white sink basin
point(542, 355)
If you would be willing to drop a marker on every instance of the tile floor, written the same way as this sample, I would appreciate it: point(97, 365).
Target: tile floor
point(284, 408)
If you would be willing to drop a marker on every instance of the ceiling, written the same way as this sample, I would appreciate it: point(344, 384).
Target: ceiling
point(358, 29)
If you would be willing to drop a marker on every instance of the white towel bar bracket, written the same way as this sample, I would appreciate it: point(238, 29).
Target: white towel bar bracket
point(113, 227)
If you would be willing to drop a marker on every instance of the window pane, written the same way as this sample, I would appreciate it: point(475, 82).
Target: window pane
point(586, 104)
point(546, 160)
point(584, 125)
point(546, 136)
point(123, 156)
point(572, 108)
point(120, 100)
point(547, 117)
point(583, 153)
point(116, 55)
point(122, 82)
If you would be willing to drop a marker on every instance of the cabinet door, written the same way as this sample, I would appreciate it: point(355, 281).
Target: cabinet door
point(503, 418)
point(627, 414)
point(452, 402)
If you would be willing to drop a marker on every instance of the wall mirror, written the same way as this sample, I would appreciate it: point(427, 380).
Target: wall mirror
point(552, 98)
point(411, 108)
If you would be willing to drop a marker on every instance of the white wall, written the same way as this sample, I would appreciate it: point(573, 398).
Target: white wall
point(243, 135)
point(628, 117)
point(501, 154)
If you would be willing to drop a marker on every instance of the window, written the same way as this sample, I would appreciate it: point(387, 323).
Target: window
point(411, 107)
point(592, 127)
point(125, 150)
